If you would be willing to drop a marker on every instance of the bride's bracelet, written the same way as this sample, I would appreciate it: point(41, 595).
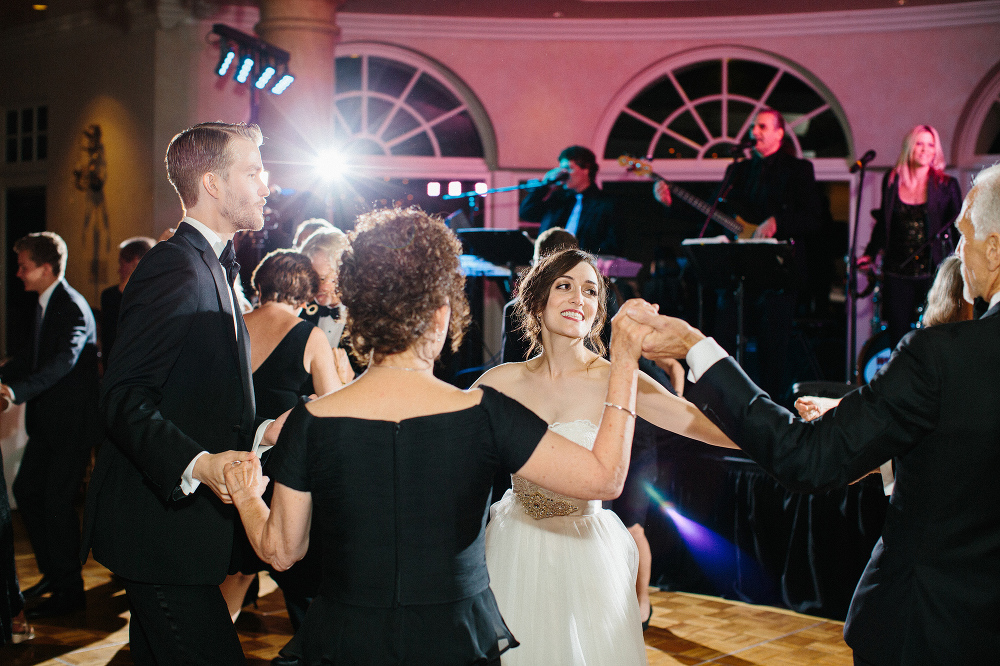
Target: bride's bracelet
point(624, 409)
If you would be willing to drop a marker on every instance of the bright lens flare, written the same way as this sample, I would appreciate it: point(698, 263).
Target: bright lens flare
point(330, 165)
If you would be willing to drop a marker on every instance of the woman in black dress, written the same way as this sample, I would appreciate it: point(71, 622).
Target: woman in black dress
point(289, 358)
point(914, 227)
point(399, 465)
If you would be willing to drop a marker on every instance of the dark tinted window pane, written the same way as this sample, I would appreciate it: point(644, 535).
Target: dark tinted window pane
point(42, 119)
point(42, 146)
point(27, 145)
point(430, 98)
point(378, 109)
point(401, 123)
point(686, 126)
point(988, 142)
point(27, 121)
point(388, 76)
point(419, 145)
point(792, 95)
point(711, 115)
point(701, 79)
point(739, 112)
point(669, 147)
point(749, 79)
point(11, 122)
point(348, 73)
point(457, 137)
point(629, 137)
point(11, 151)
point(350, 111)
point(657, 101)
point(824, 137)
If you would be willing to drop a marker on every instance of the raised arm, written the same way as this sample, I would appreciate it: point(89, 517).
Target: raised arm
point(658, 406)
point(567, 468)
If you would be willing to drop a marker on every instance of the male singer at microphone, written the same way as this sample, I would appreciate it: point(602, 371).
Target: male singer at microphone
point(776, 190)
point(570, 198)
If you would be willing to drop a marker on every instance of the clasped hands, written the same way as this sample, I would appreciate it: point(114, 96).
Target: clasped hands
point(231, 474)
point(661, 337)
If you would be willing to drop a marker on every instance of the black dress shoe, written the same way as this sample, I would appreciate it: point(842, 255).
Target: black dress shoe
point(60, 603)
point(286, 660)
point(37, 590)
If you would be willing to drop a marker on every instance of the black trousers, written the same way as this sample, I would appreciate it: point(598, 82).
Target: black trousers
point(900, 299)
point(46, 488)
point(181, 624)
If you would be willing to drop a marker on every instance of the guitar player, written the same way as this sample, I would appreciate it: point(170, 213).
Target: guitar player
point(777, 191)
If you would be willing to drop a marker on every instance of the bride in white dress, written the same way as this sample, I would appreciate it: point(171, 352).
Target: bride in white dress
point(563, 570)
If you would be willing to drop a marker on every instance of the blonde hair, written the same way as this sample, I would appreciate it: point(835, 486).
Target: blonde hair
point(902, 168)
point(944, 299)
point(331, 242)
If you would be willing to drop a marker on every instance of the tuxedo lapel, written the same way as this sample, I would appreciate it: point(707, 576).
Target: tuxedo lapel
point(241, 347)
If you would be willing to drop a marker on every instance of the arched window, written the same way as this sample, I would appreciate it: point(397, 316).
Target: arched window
point(697, 105)
point(977, 136)
point(394, 103)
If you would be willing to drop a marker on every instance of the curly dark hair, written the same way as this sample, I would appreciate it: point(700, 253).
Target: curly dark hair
point(401, 266)
point(285, 276)
point(533, 296)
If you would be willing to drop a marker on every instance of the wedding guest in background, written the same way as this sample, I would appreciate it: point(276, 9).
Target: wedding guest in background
point(289, 358)
point(323, 248)
point(130, 251)
point(57, 377)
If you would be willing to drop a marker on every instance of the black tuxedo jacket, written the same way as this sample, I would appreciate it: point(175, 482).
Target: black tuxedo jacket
point(64, 382)
point(596, 231)
point(931, 591)
point(177, 383)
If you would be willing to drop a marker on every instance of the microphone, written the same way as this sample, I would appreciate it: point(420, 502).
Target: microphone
point(743, 145)
point(559, 177)
point(863, 161)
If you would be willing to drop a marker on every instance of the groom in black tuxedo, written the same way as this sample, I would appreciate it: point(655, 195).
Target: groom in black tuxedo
point(178, 405)
point(57, 378)
point(931, 591)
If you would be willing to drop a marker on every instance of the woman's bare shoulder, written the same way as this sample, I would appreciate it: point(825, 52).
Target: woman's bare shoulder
point(503, 376)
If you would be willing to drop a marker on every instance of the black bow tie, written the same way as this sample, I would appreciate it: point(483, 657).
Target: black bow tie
point(228, 261)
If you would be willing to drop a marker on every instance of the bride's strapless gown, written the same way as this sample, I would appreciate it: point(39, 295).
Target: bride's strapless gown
point(563, 572)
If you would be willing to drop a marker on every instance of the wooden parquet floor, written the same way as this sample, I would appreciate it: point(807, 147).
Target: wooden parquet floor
point(687, 629)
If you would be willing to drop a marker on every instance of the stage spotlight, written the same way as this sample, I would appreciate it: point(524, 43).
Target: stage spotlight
point(245, 68)
point(433, 189)
point(330, 165)
point(264, 77)
point(454, 188)
point(481, 188)
point(227, 54)
point(282, 84)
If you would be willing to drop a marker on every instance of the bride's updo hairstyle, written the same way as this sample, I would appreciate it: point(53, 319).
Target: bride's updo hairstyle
point(533, 296)
point(401, 266)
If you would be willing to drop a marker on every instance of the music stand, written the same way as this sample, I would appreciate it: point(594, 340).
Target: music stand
point(757, 263)
point(505, 247)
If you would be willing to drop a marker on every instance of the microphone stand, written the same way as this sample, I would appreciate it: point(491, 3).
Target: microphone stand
point(852, 277)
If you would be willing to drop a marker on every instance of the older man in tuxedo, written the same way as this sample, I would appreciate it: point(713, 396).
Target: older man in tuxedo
point(931, 591)
point(57, 378)
point(178, 404)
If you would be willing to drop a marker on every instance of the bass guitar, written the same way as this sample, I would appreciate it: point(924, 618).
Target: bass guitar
point(735, 225)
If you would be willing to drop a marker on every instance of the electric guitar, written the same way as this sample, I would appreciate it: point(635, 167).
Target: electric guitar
point(735, 225)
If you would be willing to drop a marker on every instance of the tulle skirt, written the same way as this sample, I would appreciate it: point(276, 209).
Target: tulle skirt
point(565, 586)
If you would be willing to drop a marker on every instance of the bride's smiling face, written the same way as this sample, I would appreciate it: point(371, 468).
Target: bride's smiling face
point(572, 304)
